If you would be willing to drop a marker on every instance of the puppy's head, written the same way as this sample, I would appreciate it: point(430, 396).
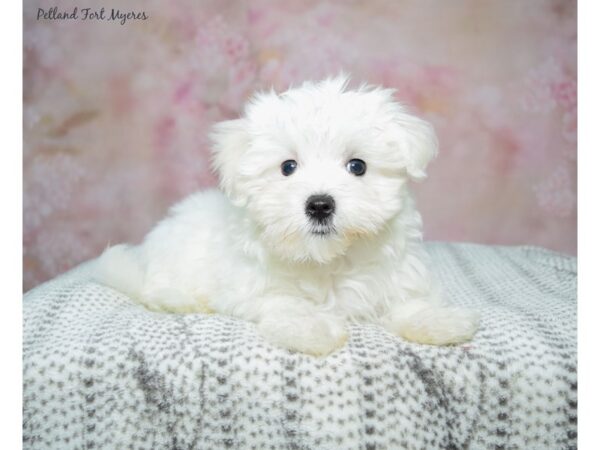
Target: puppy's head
point(319, 166)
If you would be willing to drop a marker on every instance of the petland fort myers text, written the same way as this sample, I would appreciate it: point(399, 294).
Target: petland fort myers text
point(90, 14)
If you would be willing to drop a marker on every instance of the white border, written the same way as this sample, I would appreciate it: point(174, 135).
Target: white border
point(588, 222)
point(11, 189)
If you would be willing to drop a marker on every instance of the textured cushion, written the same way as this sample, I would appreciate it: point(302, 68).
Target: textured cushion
point(102, 372)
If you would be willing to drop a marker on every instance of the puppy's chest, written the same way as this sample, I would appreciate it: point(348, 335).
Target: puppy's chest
point(340, 287)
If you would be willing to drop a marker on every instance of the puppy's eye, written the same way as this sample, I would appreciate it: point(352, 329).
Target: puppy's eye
point(357, 167)
point(288, 167)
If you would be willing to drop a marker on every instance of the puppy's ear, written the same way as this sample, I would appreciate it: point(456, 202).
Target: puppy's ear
point(417, 143)
point(230, 139)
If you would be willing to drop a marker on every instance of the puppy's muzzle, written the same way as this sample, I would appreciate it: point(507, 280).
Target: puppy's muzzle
point(320, 207)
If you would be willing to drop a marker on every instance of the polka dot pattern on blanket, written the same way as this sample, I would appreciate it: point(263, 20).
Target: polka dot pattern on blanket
point(103, 372)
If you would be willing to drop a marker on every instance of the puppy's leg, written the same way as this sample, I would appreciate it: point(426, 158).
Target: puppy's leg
point(430, 322)
point(296, 324)
point(420, 315)
point(170, 300)
point(121, 268)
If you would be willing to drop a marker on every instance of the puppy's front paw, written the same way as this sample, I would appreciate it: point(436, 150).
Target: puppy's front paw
point(316, 335)
point(437, 325)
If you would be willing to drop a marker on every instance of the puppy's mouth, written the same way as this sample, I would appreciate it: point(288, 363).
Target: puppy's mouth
point(322, 229)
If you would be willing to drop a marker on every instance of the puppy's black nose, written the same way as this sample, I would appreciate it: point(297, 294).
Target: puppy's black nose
point(320, 207)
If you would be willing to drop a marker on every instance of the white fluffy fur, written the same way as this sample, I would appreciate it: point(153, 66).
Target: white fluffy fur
point(249, 251)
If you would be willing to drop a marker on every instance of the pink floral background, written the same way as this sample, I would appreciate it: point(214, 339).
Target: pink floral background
point(116, 116)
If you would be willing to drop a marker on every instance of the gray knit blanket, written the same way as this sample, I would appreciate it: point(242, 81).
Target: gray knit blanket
point(101, 372)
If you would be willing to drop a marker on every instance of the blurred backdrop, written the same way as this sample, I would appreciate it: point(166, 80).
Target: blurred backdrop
point(116, 116)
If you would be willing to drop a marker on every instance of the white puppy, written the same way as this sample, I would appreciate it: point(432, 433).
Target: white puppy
point(315, 226)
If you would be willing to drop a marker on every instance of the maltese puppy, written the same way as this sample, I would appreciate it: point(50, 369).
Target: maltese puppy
point(314, 227)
